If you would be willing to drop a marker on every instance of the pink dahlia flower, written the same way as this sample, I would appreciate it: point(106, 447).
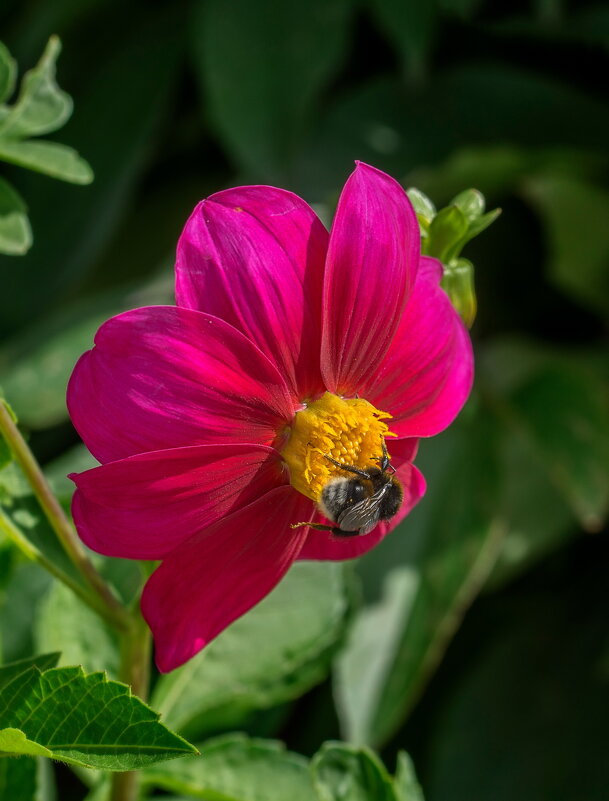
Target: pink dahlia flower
point(219, 421)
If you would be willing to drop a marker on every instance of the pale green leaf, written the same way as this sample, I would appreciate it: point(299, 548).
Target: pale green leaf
point(13, 669)
point(10, 200)
point(15, 234)
point(23, 587)
point(67, 625)
point(14, 742)
point(50, 158)
point(237, 768)
point(405, 784)
point(372, 647)
point(15, 231)
point(8, 73)
point(277, 651)
point(435, 564)
point(41, 106)
point(343, 772)
point(131, 81)
point(87, 720)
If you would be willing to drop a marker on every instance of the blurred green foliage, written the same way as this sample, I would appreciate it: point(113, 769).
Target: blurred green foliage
point(176, 100)
point(40, 108)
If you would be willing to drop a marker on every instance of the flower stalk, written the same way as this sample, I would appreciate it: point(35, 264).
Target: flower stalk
point(136, 651)
point(101, 599)
point(31, 552)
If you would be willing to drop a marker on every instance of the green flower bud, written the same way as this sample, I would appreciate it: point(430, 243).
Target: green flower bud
point(458, 283)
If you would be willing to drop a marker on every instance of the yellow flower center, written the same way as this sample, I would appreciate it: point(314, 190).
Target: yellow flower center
point(350, 430)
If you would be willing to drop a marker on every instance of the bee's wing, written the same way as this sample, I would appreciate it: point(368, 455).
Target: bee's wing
point(362, 516)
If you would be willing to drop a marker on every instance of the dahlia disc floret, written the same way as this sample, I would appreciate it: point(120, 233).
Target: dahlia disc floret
point(291, 353)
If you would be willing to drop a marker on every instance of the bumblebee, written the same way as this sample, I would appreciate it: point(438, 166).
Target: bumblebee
point(356, 505)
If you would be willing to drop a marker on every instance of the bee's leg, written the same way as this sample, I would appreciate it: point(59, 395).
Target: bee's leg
point(384, 462)
point(316, 526)
point(349, 467)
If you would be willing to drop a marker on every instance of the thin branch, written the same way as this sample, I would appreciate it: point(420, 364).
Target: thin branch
point(63, 528)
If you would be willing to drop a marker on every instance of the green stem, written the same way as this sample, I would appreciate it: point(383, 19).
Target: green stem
point(136, 647)
point(32, 553)
point(113, 609)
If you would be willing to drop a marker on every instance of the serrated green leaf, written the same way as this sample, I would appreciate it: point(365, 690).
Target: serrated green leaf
point(343, 772)
point(13, 669)
point(15, 231)
point(261, 82)
point(237, 768)
point(50, 158)
point(67, 625)
point(405, 784)
point(42, 106)
point(87, 720)
point(274, 653)
point(8, 73)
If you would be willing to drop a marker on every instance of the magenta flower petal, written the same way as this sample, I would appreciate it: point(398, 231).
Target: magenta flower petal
point(254, 256)
point(163, 377)
point(427, 373)
point(321, 545)
point(373, 257)
point(145, 506)
point(221, 573)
